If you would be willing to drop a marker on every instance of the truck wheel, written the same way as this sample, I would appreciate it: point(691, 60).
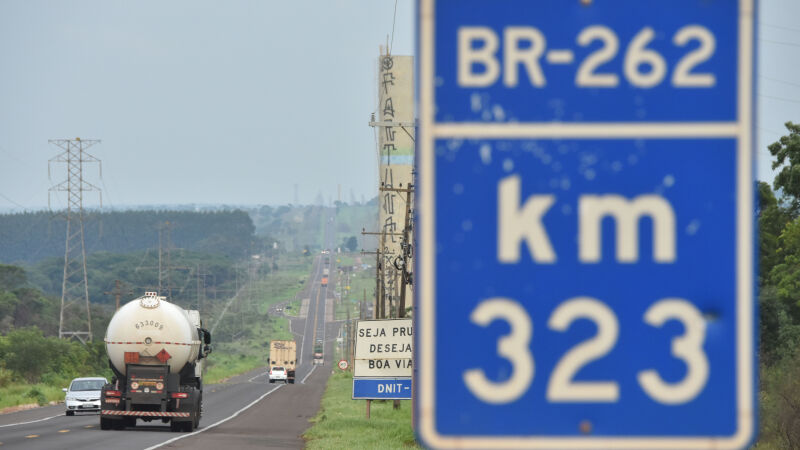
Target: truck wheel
point(130, 422)
point(176, 426)
point(105, 424)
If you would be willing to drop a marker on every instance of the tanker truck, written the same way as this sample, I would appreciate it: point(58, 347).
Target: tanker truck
point(156, 351)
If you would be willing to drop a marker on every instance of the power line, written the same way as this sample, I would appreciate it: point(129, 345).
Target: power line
point(394, 19)
point(792, 44)
point(779, 81)
point(771, 131)
point(782, 27)
point(12, 202)
point(780, 99)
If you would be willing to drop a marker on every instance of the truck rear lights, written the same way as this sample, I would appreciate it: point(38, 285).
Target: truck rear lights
point(179, 395)
point(114, 401)
point(159, 386)
point(113, 393)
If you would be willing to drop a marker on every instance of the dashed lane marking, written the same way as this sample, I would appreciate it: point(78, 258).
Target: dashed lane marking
point(31, 436)
point(63, 431)
point(220, 422)
point(88, 426)
point(32, 421)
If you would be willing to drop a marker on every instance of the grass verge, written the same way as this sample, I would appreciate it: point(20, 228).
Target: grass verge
point(23, 394)
point(342, 423)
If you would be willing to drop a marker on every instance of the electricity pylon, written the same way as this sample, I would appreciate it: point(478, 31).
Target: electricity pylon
point(75, 285)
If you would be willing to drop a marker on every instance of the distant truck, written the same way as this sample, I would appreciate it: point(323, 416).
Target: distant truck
point(318, 357)
point(326, 272)
point(324, 281)
point(156, 351)
point(282, 354)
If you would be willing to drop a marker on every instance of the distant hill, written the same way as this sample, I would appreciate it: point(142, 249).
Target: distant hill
point(28, 238)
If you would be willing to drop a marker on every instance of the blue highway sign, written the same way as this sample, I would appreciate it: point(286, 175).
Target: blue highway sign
point(382, 388)
point(585, 274)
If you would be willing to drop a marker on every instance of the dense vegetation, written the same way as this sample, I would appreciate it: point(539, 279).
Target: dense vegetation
point(28, 238)
point(34, 363)
point(779, 296)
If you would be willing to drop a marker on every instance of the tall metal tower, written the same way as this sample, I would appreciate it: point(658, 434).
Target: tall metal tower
point(75, 286)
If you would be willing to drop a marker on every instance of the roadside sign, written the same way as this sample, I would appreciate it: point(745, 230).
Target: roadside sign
point(382, 363)
point(382, 388)
point(585, 212)
point(383, 348)
point(343, 364)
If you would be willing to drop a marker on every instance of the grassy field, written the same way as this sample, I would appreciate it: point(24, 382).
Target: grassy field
point(341, 422)
point(243, 335)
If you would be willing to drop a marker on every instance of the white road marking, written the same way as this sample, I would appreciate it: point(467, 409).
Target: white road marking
point(253, 378)
point(220, 422)
point(303, 381)
point(32, 421)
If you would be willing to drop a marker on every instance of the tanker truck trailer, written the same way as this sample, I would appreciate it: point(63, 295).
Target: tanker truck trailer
point(156, 350)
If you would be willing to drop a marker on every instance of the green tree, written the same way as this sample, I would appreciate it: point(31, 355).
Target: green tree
point(27, 353)
point(787, 158)
point(772, 218)
point(350, 243)
point(12, 277)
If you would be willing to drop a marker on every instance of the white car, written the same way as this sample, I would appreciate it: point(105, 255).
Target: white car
point(277, 373)
point(83, 394)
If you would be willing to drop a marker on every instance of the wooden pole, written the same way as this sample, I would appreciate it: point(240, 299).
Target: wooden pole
point(369, 402)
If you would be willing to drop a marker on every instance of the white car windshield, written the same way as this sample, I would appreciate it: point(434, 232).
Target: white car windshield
point(87, 385)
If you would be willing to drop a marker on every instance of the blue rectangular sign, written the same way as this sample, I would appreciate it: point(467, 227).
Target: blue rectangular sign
point(585, 274)
point(382, 388)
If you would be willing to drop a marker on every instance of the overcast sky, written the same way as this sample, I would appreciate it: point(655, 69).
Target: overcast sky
point(195, 102)
point(235, 102)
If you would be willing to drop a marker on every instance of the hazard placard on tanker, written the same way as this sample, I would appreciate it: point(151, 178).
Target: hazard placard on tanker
point(383, 348)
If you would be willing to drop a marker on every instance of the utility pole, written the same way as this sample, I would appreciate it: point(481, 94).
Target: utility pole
point(117, 292)
point(75, 284)
point(380, 284)
point(406, 246)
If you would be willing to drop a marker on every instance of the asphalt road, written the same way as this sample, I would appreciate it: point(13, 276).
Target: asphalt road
point(244, 412)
